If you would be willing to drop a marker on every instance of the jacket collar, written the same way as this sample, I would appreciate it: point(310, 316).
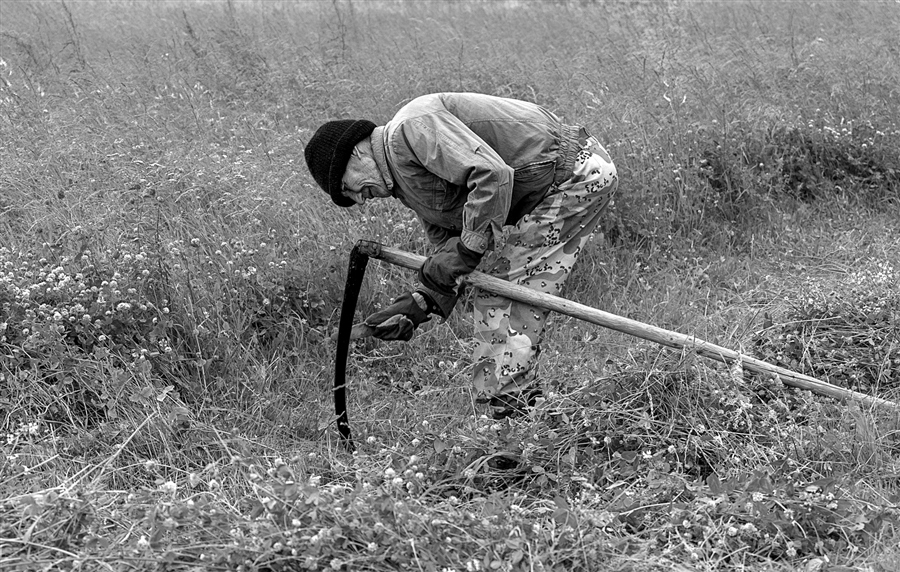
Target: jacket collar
point(380, 156)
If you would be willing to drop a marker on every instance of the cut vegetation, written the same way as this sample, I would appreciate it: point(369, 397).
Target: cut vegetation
point(170, 279)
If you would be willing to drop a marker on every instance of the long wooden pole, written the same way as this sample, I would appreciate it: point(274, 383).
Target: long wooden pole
point(631, 327)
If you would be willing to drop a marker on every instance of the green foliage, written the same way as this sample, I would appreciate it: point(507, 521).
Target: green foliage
point(169, 276)
point(846, 334)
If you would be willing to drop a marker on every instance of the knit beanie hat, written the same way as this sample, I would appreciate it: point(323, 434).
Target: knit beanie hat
point(329, 150)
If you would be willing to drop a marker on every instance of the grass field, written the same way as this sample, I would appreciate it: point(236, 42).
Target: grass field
point(170, 276)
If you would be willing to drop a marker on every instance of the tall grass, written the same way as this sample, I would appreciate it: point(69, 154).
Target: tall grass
point(170, 274)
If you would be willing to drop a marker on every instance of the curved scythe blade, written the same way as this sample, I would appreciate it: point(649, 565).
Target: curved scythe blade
point(359, 258)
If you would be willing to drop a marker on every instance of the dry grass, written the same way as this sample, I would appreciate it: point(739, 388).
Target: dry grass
point(169, 277)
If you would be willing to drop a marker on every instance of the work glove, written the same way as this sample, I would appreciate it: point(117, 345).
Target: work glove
point(399, 320)
point(444, 267)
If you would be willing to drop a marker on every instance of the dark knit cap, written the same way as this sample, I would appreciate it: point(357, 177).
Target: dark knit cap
point(329, 150)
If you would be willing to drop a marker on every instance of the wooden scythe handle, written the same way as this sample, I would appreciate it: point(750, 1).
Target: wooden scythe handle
point(625, 325)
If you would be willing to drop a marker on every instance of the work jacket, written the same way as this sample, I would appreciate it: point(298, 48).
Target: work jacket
point(469, 163)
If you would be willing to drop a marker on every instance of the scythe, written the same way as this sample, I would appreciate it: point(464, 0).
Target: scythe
point(364, 249)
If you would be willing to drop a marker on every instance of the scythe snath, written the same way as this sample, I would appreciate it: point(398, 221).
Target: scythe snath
point(364, 249)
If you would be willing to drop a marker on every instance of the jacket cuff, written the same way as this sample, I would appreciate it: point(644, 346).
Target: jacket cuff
point(474, 241)
point(438, 303)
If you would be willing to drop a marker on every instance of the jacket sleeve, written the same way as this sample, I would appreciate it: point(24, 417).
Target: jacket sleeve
point(444, 146)
point(440, 304)
point(437, 235)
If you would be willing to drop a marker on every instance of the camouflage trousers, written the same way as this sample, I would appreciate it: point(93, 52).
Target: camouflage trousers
point(539, 253)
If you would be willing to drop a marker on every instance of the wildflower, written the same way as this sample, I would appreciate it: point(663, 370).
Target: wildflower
point(168, 487)
point(143, 543)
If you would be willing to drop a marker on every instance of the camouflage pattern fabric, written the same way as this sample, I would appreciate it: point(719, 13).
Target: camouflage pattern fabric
point(540, 252)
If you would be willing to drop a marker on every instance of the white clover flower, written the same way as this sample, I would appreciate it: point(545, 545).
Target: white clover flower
point(143, 543)
point(168, 487)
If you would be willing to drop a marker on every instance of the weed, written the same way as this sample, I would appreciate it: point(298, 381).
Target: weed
point(169, 275)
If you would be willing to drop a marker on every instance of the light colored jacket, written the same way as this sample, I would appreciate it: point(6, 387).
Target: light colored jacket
point(469, 163)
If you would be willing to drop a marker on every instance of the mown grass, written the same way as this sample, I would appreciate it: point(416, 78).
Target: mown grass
point(169, 277)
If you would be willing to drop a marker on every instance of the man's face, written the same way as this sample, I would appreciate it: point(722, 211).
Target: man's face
point(362, 180)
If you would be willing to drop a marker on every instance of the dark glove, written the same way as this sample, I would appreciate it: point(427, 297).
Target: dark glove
point(442, 268)
point(399, 320)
